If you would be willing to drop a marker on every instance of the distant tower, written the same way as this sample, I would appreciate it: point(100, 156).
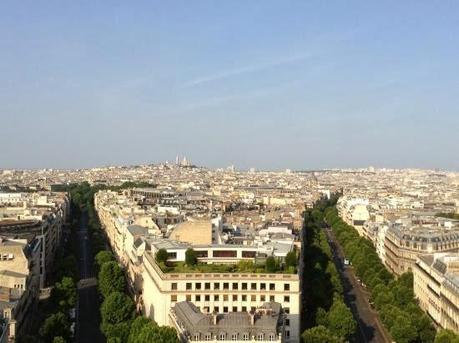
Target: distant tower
point(177, 160)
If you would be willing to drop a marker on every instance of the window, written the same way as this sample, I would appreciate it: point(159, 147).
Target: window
point(253, 286)
point(174, 286)
point(221, 336)
point(260, 337)
point(234, 297)
point(272, 337)
point(286, 286)
point(207, 285)
point(253, 297)
point(188, 286)
point(173, 297)
point(287, 322)
point(262, 286)
point(225, 309)
point(207, 297)
point(196, 337)
point(287, 334)
point(225, 297)
point(245, 337)
point(272, 287)
point(263, 298)
point(244, 285)
point(286, 298)
point(235, 285)
point(271, 298)
point(244, 297)
point(188, 297)
point(198, 297)
point(216, 297)
point(287, 310)
point(225, 285)
point(224, 253)
point(198, 285)
point(234, 308)
point(216, 285)
point(216, 309)
point(244, 309)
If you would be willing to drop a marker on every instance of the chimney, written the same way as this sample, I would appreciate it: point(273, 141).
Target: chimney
point(252, 318)
point(215, 317)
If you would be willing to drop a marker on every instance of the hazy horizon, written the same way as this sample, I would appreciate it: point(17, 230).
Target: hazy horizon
point(270, 85)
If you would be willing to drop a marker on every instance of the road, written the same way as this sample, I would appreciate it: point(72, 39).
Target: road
point(88, 316)
point(370, 326)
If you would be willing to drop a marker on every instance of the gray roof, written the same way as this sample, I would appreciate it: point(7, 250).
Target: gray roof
point(136, 230)
point(267, 321)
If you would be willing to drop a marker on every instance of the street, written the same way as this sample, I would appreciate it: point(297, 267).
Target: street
point(370, 327)
point(88, 315)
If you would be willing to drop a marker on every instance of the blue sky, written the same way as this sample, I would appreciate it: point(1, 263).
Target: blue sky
point(266, 84)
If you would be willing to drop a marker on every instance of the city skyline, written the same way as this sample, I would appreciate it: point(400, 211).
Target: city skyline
point(270, 86)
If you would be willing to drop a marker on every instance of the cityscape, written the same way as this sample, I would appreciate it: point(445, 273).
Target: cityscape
point(229, 171)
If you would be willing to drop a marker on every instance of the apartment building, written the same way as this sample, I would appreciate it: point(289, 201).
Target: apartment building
point(19, 283)
point(220, 292)
point(265, 324)
point(436, 286)
point(404, 244)
point(157, 291)
point(41, 216)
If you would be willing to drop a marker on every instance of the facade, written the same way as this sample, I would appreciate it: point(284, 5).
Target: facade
point(436, 286)
point(19, 283)
point(265, 324)
point(403, 245)
point(220, 292)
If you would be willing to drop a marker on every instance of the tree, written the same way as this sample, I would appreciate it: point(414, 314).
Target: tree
point(117, 332)
point(322, 317)
point(161, 256)
point(59, 339)
point(319, 334)
point(291, 259)
point(117, 308)
point(111, 279)
point(65, 293)
point(341, 322)
point(191, 258)
point(403, 331)
point(55, 325)
point(103, 257)
point(446, 336)
point(271, 265)
point(136, 328)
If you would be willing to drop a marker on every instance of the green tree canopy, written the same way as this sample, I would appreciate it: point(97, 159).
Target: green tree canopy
point(271, 264)
point(446, 336)
point(55, 325)
point(291, 260)
point(117, 308)
point(341, 322)
point(103, 257)
point(319, 334)
point(191, 258)
point(111, 278)
point(161, 256)
point(65, 293)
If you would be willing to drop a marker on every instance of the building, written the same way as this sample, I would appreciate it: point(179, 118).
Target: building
point(220, 292)
point(436, 286)
point(19, 283)
point(265, 324)
point(404, 244)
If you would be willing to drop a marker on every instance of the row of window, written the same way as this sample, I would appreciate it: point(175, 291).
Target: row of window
point(226, 297)
point(234, 337)
point(225, 309)
point(234, 286)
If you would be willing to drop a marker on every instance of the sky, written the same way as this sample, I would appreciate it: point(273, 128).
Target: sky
point(264, 84)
